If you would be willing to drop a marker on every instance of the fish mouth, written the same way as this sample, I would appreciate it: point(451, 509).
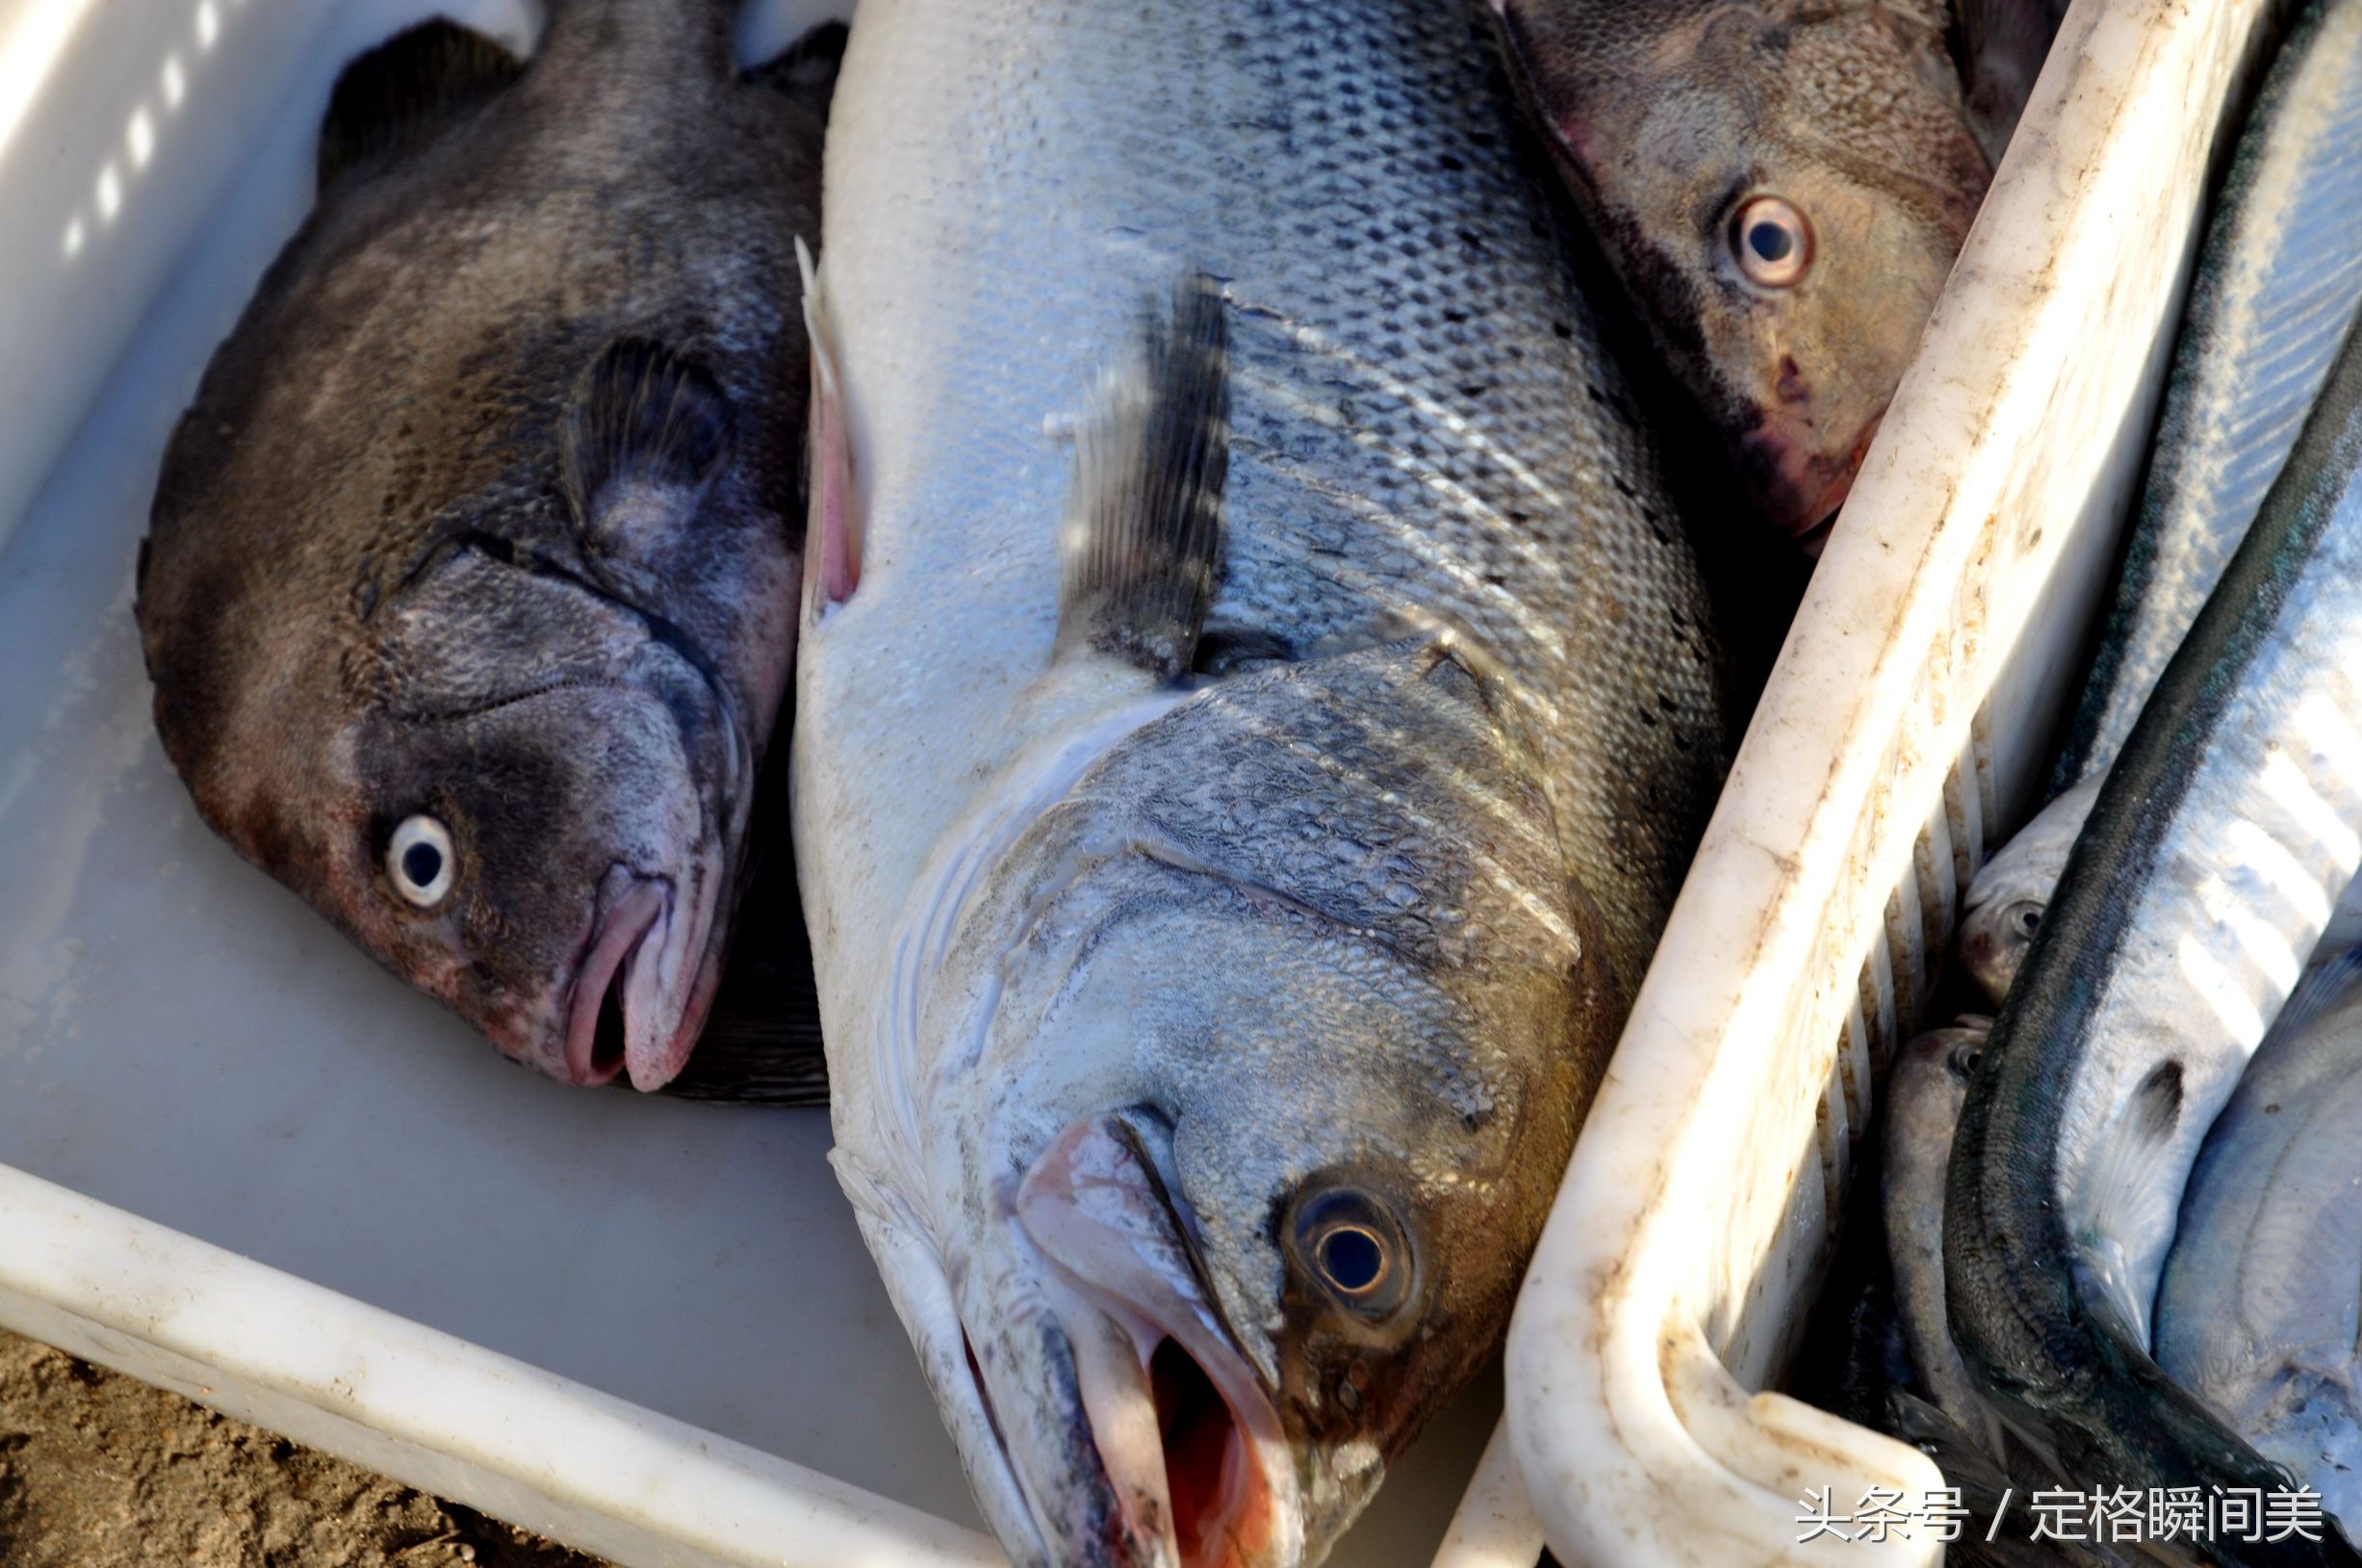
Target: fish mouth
point(1800, 489)
point(644, 984)
point(1187, 1439)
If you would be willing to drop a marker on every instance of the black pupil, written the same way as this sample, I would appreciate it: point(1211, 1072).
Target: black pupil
point(421, 863)
point(1770, 240)
point(1351, 1259)
point(2029, 921)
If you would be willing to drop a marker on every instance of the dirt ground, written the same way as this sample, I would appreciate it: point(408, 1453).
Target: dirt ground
point(98, 1471)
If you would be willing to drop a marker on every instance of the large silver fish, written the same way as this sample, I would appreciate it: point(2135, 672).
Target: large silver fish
point(2258, 1312)
point(2226, 828)
point(1254, 710)
point(2279, 283)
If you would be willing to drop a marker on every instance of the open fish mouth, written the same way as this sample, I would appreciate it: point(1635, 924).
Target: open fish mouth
point(1187, 1438)
point(644, 984)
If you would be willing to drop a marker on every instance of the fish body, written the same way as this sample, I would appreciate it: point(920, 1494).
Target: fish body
point(2278, 282)
point(1781, 188)
point(469, 591)
point(1925, 1086)
point(2210, 864)
point(1254, 710)
point(2258, 1311)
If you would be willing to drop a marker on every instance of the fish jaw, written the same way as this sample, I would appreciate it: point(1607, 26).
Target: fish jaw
point(1800, 479)
point(1187, 1438)
point(637, 1005)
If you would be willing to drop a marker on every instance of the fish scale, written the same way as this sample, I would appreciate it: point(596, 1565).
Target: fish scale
point(1395, 848)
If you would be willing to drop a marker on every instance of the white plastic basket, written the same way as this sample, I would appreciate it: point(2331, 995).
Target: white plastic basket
point(239, 1161)
point(1907, 714)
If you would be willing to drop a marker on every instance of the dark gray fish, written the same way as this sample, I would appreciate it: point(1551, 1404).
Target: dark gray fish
point(1781, 188)
point(2259, 1312)
point(2209, 866)
point(469, 593)
point(2002, 45)
point(1255, 709)
point(2279, 283)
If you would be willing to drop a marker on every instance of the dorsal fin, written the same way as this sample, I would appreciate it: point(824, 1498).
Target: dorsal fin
point(402, 93)
point(1142, 534)
point(642, 412)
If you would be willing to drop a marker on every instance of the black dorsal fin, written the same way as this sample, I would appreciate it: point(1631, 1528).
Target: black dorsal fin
point(400, 95)
point(1143, 535)
point(806, 71)
point(642, 412)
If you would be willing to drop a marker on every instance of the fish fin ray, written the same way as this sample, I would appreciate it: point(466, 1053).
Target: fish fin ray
point(806, 71)
point(400, 95)
point(2125, 1195)
point(2323, 986)
point(645, 415)
point(1141, 546)
point(831, 530)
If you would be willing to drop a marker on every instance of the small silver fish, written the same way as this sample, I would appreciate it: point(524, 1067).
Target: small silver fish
point(2278, 284)
point(2211, 861)
point(1925, 1086)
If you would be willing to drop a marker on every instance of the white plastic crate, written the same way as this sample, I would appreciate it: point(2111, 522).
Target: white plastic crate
point(1910, 713)
point(238, 1160)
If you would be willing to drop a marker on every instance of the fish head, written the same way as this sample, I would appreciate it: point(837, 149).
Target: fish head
point(1249, 1123)
point(506, 789)
point(1782, 195)
point(2003, 910)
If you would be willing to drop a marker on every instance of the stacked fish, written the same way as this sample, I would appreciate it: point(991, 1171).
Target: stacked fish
point(1257, 693)
point(2141, 1263)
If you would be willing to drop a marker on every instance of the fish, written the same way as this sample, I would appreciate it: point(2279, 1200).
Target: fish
point(2003, 44)
point(1255, 704)
point(2278, 286)
point(1925, 1086)
point(2002, 912)
point(1781, 190)
point(469, 587)
point(2208, 868)
point(2256, 1309)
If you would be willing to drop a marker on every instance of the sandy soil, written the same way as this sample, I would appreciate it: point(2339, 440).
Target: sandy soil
point(98, 1471)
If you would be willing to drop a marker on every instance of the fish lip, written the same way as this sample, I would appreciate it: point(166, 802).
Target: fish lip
point(1114, 1380)
point(1806, 511)
point(630, 907)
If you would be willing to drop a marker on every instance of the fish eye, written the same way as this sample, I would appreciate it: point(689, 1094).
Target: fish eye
point(1771, 241)
point(2027, 918)
point(1964, 1059)
point(420, 861)
point(1354, 1249)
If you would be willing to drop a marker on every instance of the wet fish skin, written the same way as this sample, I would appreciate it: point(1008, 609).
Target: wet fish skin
point(479, 534)
point(2256, 1310)
point(1385, 830)
point(2266, 314)
point(2158, 966)
point(1667, 120)
point(1925, 1086)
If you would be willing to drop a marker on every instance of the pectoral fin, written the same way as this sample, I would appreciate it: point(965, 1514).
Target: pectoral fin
point(1141, 544)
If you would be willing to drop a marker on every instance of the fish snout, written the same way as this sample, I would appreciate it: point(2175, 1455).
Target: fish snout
point(1799, 477)
point(1167, 1421)
point(642, 986)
